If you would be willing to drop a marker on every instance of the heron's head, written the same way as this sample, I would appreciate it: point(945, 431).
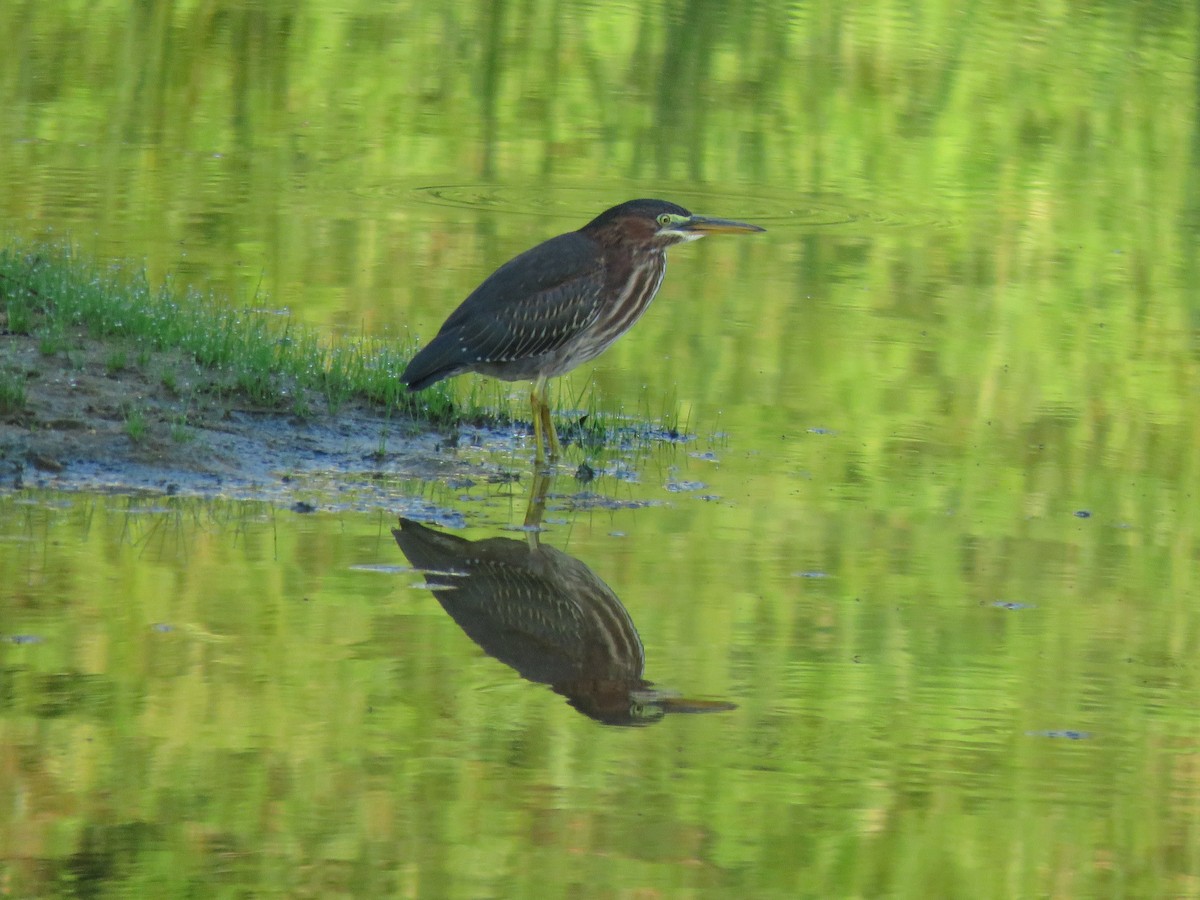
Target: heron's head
point(657, 224)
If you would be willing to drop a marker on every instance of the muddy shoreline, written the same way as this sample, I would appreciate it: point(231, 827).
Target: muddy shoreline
point(91, 422)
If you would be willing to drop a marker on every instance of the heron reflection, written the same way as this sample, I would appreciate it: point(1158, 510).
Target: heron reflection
point(546, 615)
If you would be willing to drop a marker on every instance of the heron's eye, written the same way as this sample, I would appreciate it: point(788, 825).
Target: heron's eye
point(664, 220)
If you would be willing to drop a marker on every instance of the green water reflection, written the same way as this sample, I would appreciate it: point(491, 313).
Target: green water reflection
point(936, 535)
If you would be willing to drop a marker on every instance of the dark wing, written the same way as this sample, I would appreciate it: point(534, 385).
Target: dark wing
point(531, 305)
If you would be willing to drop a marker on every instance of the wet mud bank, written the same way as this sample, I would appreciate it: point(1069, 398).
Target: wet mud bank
point(86, 420)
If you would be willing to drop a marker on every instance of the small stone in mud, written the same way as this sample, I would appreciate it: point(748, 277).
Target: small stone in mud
point(44, 463)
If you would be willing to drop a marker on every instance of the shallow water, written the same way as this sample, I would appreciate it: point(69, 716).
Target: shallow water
point(934, 532)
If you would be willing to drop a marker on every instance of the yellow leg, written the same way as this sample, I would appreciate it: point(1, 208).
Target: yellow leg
point(536, 402)
point(543, 425)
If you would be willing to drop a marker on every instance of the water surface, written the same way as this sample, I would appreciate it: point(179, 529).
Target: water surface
point(934, 533)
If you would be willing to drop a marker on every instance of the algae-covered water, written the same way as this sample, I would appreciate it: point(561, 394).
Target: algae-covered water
point(927, 560)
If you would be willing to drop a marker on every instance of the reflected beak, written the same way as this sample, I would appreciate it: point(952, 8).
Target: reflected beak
point(684, 705)
point(663, 702)
point(699, 225)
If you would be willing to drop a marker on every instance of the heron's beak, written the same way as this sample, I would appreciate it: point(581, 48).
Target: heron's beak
point(699, 225)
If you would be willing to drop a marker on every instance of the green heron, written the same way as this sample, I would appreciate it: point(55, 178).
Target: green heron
point(562, 303)
point(548, 616)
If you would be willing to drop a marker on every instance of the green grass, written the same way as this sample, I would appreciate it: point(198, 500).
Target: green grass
point(135, 424)
point(50, 292)
point(180, 433)
point(51, 339)
point(12, 393)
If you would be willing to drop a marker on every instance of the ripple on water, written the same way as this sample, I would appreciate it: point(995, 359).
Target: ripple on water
point(791, 212)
